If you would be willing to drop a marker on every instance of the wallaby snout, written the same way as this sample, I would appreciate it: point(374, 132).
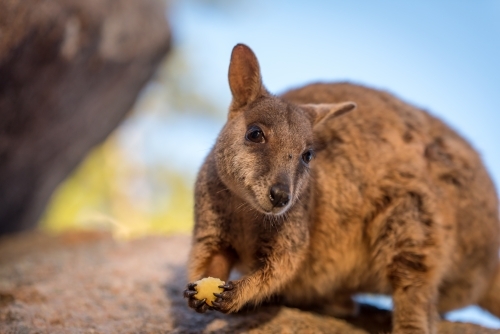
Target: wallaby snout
point(279, 195)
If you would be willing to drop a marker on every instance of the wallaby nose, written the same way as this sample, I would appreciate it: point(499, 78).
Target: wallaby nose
point(279, 195)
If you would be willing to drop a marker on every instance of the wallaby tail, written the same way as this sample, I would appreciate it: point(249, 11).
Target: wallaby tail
point(491, 299)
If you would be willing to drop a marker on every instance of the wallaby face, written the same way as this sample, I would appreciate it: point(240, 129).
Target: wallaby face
point(272, 149)
point(264, 152)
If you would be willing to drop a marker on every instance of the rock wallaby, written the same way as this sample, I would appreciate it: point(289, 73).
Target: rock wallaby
point(335, 189)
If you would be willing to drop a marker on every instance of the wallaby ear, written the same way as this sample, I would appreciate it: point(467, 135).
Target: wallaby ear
point(321, 113)
point(245, 80)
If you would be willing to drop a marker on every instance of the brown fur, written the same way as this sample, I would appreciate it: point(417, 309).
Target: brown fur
point(394, 202)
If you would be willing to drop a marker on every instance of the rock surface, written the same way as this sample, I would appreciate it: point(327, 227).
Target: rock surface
point(90, 283)
point(69, 72)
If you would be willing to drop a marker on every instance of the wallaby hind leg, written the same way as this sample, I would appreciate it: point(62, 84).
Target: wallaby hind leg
point(491, 299)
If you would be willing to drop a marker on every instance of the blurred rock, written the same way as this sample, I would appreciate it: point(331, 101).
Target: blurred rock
point(69, 72)
point(89, 283)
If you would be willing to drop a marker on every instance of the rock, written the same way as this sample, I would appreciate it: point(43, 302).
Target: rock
point(69, 72)
point(90, 283)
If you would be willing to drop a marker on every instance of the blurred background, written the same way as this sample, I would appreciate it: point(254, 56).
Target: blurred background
point(441, 56)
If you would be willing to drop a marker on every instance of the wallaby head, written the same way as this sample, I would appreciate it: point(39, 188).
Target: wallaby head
point(265, 150)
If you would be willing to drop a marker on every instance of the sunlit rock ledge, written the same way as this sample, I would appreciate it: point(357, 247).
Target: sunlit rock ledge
point(89, 282)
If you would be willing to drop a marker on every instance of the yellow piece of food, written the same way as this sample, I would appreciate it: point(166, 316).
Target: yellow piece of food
point(206, 288)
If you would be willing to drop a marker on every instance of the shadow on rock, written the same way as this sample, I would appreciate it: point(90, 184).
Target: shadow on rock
point(372, 319)
point(186, 320)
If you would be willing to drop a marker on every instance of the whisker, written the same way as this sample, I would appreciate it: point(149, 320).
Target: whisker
point(222, 190)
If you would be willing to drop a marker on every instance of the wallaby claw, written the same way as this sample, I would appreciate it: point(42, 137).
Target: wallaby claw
point(189, 293)
point(228, 286)
point(198, 303)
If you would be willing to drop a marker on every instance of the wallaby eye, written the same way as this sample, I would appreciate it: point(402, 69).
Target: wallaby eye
point(255, 135)
point(307, 156)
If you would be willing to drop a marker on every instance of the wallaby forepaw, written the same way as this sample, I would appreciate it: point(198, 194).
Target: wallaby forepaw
point(199, 306)
point(225, 301)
